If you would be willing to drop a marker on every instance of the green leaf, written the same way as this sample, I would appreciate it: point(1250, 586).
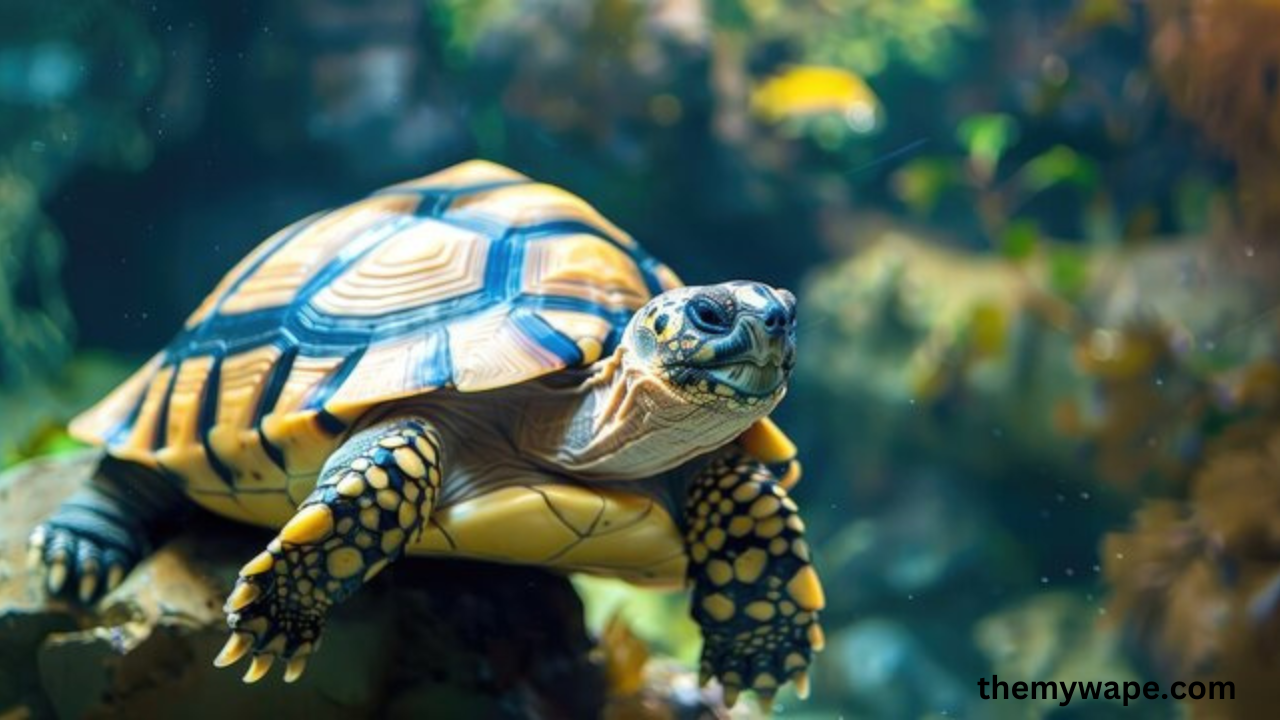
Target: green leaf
point(1193, 207)
point(1068, 272)
point(1019, 239)
point(920, 183)
point(985, 139)
point(1059, 164)
point(731, 15)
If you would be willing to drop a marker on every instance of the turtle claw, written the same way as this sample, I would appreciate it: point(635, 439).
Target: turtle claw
point(294, 669)
point(57, 576)
point(77, 565)
point(817, 640)
point(258, 668)
point(242, 643)
point(35, 548)
point(244, 595)
point(238, 645)
point(731, 693)
point(273, 614)
point(115, 575)
point(765, 703)
point(88, 586)
point(801, 681)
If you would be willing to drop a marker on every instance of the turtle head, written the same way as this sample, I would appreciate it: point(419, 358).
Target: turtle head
point(730, 345)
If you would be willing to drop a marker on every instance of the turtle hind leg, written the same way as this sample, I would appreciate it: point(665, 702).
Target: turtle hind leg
point(96, 537)
point(374, 494)
point(755, 593)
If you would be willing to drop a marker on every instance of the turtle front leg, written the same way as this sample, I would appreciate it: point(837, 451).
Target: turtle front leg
point(96, 537)
point(755, 593)
point(373, 495)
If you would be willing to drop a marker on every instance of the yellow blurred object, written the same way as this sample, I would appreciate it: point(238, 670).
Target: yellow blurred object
point(803, 91)
point(1258, 385)
point(794, 472)
point(1123, 354)
point(767, 443)
point(1091, 15)
point(989, 328)
point(644, 687)
point(625, 655)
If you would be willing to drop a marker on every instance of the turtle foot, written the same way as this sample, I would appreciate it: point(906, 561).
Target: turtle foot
point(762, 658)
point(756, 594)
point(84, 552)
point(277, 611)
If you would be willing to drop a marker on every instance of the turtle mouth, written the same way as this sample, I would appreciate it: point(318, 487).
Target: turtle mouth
point(755, 378)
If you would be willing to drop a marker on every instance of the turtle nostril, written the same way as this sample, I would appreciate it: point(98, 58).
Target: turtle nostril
point(775, 319)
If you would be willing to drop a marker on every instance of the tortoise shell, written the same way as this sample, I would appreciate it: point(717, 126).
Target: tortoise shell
point(471, 278)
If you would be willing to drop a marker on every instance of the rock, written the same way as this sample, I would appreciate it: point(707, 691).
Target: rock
point(444, 638)
point(646, 688)
point(31, 491)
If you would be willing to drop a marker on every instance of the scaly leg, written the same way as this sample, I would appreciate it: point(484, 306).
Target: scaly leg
point(755, 593)
point(373, 495)
point(96, 537)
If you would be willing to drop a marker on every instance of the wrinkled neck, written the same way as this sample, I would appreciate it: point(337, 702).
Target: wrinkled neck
point(631, 424)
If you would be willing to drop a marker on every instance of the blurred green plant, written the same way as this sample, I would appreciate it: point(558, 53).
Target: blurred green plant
point(37, 413)
point(864, 35)
point(999, 190)
point(73, 80)
point(73, 77)
point(835, 50)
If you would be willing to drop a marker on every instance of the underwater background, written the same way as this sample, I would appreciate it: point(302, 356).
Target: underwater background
point(1034, 245)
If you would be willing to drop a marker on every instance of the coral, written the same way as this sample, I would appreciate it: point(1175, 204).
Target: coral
point(1168, 586)
point(1218, 60)
point(1142, 424)
point(1196, 582)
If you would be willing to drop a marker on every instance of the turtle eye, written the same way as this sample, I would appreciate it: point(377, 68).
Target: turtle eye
point(660, 324)
point(708, 316)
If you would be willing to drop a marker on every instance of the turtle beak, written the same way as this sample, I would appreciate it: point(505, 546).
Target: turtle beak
point(769, 323)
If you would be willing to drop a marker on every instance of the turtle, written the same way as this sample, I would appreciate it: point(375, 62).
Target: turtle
point(467, 364)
